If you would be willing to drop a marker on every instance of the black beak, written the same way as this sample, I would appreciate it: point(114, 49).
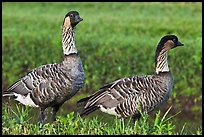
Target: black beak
point(179, 44)
point(78, 19)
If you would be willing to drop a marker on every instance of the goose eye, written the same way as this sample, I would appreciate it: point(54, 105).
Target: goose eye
point(71, 15)
point(174, 40)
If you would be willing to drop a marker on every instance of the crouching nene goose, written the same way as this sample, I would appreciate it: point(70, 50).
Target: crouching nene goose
point(52, 84)
point(125, 96)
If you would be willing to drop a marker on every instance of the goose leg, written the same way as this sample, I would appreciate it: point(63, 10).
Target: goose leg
point(136, 117)
point(54, 112)
point(42, 111)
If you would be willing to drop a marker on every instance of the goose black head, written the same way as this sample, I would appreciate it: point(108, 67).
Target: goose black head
point(166, 43)
point(169, 42)
point(71, 19)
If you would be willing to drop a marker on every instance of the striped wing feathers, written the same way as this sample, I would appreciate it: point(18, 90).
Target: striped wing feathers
point(43, 82)
point(124, 94)
point(118, 90)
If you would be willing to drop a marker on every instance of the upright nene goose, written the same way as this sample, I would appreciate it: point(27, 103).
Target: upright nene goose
point(52, 84)
point(123, 97)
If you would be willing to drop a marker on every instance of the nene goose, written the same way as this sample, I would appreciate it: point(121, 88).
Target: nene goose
point(52, 84)
point(125, 96)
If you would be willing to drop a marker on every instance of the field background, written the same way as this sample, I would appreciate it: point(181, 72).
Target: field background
point(114, 40)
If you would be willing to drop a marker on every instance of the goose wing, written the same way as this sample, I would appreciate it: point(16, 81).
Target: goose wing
point(42, 84)
point(122, 96)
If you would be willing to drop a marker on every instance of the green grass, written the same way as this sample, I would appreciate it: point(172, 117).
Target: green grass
point(73, 124)
point(114, 40)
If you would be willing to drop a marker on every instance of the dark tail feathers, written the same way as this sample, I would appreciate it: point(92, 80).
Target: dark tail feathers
point(85, 111)
point(82, 102)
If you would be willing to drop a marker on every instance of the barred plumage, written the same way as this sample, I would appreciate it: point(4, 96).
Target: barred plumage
point(124, 97)
point(52, 84)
